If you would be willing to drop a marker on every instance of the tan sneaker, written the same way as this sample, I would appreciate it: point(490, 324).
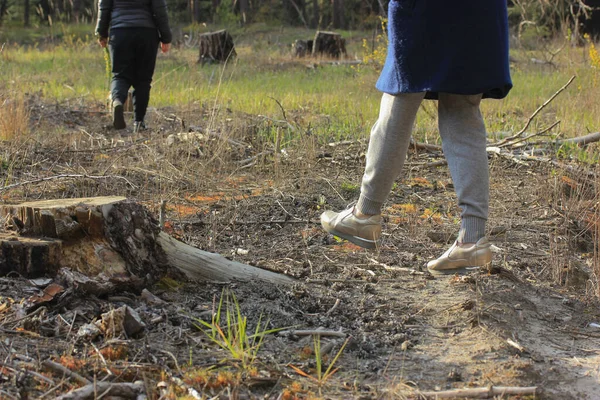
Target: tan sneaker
point(459, 259)
point(362, 232)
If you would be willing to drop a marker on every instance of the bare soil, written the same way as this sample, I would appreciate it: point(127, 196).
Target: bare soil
point(408, 331)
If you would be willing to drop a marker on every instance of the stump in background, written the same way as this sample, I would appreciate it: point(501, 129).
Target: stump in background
point(216, 47)
point(302, 48)
point(329, 44)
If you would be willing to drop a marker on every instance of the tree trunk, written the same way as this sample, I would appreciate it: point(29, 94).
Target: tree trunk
point(216, 47)
point(315, 17)
point(3, 9)
point(338, 14)
point(106, 244)
point(26, 10)
point(194, 8)
point(243, 11)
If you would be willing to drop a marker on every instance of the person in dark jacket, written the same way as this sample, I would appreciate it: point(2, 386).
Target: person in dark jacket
point(455, 52)
point(132, 29)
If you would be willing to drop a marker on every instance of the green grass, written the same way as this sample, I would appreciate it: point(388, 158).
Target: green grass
point(229, 330)
point(336, 101)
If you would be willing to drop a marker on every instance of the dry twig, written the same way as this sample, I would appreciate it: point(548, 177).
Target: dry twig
point(480, 393)
point(56, 367)
point(535, 113)
point(97, 389)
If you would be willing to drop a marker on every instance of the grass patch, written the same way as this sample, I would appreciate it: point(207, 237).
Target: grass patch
point(228, 329)
point(332, 102)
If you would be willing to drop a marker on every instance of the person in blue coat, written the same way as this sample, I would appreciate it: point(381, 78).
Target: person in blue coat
point(455, 52)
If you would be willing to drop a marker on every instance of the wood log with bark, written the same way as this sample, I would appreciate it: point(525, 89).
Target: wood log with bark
point(329, 44)
point(103, 244)
point(216, 47)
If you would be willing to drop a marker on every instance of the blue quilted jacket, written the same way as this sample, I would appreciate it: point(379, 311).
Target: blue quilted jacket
point(447, 46)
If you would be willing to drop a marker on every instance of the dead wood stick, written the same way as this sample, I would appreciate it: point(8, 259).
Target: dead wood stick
point(162, 216)
point(401, 269)
point(65, 176)
point(125, 390)
point(424, 146)
point(61, 369)
point(515, 345)
point(529, 136)
point(313, 332)
point(582, 140)
point(535, 113)
point(21, 368)
point(250, 159)
point(480, 393)
point(335, 305)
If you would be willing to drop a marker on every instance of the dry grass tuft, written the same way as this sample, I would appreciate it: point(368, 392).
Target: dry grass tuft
point(576, 197)
point(14, 116)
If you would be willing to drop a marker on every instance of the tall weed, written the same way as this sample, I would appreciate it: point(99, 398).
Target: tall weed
point(14, 115)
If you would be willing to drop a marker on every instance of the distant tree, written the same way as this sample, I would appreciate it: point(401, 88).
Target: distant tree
point(244, 11)
point(26, 6)
point(315, 17)
point(3, 9)
point(339, 20)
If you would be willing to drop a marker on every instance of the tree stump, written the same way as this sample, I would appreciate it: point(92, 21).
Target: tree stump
point(216, 47)
point(329, 44)
point(105, 244)
point(302, 48)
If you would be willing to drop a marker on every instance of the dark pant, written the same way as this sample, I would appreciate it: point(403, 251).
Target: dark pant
point(133, 54)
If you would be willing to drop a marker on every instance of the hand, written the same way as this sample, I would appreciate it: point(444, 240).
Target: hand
point(103, 41)
point(164, 47)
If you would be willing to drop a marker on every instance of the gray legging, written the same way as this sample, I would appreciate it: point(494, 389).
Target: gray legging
point(463, 141)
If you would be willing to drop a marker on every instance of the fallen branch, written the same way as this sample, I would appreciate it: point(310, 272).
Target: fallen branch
point(65, 176)
point(21, 369)
point(480, 393)
point(56, 367)
point(424, 146)
point(516, 345)
point(529, 136)
point(582, 140)
point(313, 333)
point(535, 113)
point(411, 271)
point(101, 389)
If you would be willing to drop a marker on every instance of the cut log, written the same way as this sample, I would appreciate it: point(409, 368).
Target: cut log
point(102, 244)
point(216, 47)
point(329, 44)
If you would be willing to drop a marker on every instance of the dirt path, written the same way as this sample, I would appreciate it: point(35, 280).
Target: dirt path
point(409, 331)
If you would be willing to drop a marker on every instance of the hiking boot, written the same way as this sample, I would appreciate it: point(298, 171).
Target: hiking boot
point(139, 126)
point(118, 115)
point(362, 232)
point(459, 259)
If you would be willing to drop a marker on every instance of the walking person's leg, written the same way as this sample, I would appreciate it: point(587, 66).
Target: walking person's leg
point(388, 145)
point(146, 52)
point(123, 70)
point(464, 144)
